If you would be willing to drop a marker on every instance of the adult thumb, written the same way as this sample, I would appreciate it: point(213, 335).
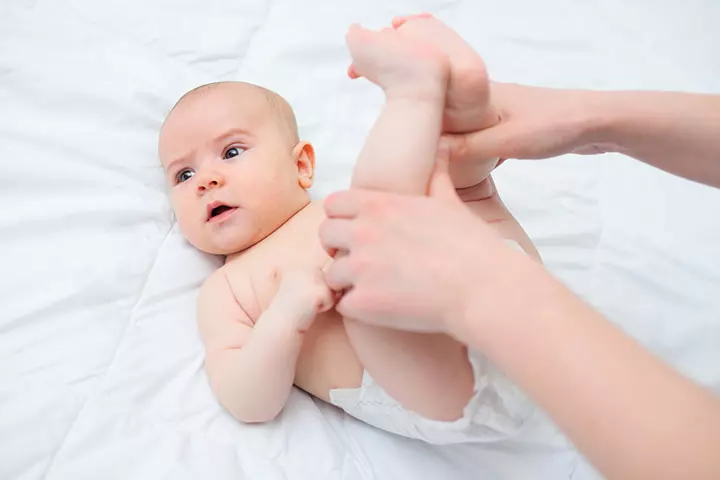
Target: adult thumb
point(441, 185)
point(492, 142)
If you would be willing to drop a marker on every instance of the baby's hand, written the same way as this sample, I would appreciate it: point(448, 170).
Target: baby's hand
point(304, 294)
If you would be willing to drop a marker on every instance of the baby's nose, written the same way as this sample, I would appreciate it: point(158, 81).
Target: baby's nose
point(209, 181)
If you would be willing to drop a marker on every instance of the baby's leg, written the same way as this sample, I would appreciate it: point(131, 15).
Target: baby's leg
point(492, 210)
point(399, 152)
point(468, 106)
point(399, 156)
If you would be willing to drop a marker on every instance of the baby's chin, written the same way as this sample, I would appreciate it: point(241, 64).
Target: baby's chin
point(218, 251)
point(228, 244)
point(223, 248)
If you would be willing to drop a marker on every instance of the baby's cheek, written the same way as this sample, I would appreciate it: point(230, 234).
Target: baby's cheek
point(184, 220)
point(185, 228)
point(176, 203)
point(181, 205)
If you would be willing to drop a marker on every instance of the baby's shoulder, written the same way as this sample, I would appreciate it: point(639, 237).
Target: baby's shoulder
point(235, 268)
point(227, 289)
point(236, 278)
point(216, 286)
point(230, 280)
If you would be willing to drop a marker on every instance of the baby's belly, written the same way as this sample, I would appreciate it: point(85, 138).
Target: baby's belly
point(327, 360)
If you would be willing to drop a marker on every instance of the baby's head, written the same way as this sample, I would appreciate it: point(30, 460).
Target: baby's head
point(235, 165)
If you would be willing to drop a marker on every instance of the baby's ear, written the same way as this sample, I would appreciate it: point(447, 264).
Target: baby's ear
point(304, 155)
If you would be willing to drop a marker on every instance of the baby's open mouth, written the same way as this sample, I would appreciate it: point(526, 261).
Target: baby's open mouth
point(218, 211)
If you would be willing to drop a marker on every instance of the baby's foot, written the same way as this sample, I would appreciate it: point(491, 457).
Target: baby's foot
point(468, 106)
point(400, 65)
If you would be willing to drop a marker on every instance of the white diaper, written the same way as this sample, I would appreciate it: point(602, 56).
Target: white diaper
point(496, 411)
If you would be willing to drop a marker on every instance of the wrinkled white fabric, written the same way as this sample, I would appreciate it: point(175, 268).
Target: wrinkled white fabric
point(496, 411)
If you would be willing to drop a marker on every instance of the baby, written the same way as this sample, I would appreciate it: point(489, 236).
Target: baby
point(239, 177)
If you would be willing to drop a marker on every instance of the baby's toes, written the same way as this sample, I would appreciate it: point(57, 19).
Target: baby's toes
point(357, 34)
point(358, 40)
point(352, 72)
point(399, 21)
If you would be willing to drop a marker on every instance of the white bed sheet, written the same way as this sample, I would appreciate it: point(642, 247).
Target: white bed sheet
point(100, 364)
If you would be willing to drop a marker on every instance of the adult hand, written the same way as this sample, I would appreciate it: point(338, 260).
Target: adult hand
point(676, 132)
point(412, 262)
point(534, 123)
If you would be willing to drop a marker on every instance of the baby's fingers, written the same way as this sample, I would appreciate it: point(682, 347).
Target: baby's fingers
point(352, 73)
point(325, 299)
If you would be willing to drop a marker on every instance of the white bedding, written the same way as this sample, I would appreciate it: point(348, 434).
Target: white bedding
point(100, 365)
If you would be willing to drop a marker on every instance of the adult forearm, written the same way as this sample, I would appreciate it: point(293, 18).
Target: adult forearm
point(677, 132)
point(253, 382)
point(630, 414)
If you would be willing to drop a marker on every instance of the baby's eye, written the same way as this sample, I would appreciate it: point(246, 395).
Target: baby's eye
point(184, 175)
point(233, 152)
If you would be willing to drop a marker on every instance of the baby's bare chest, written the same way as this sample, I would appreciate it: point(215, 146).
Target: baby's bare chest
point(254, 275)
point(327, 360)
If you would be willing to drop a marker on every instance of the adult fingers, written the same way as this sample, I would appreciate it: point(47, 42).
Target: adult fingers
point(339, 276)
point(441, 185)
point(353, 305)
point(492, 142)
point(349, 204)
point(336, 235)
point(373, 307)
point(341, 205)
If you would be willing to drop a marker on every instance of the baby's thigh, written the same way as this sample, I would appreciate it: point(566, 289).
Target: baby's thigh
point(412, 367)
point(493, 211)
point(327, 360)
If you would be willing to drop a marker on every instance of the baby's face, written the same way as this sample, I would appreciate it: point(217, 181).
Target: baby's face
point(235, 172)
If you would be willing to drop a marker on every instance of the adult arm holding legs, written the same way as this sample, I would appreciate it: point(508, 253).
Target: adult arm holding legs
point(676, 132)
point(628, 412)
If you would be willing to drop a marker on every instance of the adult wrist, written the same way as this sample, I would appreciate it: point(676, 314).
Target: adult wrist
point(601, 122)
point(520, 301)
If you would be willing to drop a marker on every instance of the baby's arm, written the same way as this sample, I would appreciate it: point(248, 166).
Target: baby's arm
point(251, 367)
